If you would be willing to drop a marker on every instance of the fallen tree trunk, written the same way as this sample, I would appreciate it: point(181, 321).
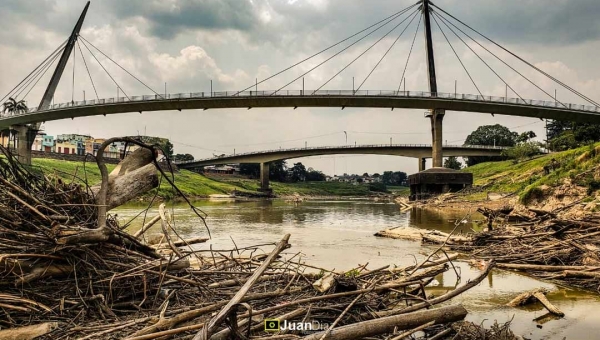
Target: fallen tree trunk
point(28, 332)
point(396, 322)
point(134, 175)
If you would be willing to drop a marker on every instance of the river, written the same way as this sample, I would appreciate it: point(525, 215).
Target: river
point(339, 235)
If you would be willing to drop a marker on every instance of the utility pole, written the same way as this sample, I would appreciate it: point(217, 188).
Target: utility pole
point(353, 85)
point(84, 96)
point(211, 88)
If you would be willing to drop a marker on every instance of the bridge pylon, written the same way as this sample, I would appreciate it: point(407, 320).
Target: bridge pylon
point(26, 133)
point(435, 115)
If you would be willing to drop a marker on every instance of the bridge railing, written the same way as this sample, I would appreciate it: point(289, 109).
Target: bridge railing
point(321, 93)
point(386, 146)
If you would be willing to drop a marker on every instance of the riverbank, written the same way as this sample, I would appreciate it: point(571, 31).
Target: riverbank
point(197, 186)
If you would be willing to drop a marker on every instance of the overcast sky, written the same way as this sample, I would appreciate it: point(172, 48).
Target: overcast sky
point(188, 43)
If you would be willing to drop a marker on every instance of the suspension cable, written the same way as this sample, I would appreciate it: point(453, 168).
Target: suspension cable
point(498, 58)
point(336, 54)
point(87, 69)
point(42, 75)
point(478, 56)
point(388, 51)
point(59, 48)
point(111, 77)
point(38, 75)
point(395, 15)
point(409, 53)
point(579, 94)
point(122, 68)
point(367, 50)
point(456, 54)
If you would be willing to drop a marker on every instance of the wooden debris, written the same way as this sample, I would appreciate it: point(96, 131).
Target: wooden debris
point(532, 296)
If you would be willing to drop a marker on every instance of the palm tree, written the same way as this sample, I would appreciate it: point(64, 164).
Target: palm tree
point(14, 107)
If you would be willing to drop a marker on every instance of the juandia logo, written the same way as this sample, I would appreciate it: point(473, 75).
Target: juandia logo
point(276, 325)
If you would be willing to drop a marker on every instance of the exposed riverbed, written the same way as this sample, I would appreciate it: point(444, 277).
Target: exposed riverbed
point(339, 235)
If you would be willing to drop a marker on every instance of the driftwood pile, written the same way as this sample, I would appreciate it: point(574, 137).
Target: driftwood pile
point(69, 272)
point(540, 243)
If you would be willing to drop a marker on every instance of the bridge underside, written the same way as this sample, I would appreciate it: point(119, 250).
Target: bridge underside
point(522, 110)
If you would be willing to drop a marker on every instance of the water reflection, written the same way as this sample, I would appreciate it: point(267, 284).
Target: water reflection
point(339, 235)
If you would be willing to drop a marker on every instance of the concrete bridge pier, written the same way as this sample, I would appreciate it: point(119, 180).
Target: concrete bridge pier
point(437, 138)
point(264, 177)
point(25, 138)
point(422, 164)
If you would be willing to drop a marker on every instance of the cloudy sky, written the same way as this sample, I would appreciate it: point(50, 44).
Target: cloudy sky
point(188, 43)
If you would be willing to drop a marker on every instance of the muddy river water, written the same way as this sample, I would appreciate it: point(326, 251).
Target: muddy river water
point(339, 235)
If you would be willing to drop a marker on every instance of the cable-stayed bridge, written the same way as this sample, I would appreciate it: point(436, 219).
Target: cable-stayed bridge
point(422, 15)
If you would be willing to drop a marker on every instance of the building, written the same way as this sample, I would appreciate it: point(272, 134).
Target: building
point(73, 144)
point(229, 169)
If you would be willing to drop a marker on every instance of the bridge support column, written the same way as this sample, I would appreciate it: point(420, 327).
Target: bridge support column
point(264, 177)
point(25, 138)
point(437, 138)
point(421, 164)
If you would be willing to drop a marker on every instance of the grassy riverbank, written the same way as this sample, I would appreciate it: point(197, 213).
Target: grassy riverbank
point(578, 167)
point(196, 185)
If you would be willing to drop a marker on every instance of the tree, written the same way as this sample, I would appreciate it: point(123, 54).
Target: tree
point(278, 170)
point(567, 135)
point(313, 175)
point(298, 172)
point(183, 157)
point(250, 169)
point(526, 136)
point(452, 163)
point(366, 174)
point(386, 178)
point(522, 151)
point(497, 135)
point(376, 175)
point(394, 178)
point(168, 149)
point(399, 178)
point(13, 107)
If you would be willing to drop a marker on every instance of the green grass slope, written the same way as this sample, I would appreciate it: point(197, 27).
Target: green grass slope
point(526, 177)
point(196, 185)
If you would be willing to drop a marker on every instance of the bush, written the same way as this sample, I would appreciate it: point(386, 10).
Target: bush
point(522, 151)
point(377, 187)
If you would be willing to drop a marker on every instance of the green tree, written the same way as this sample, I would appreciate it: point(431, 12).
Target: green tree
point(522, 151)
point(298, 172)
point(278, 170)
point(386, 178)
point(526, 136)
point(313, 175)
point(567, 135)
point(452, 163)
point(497, 135)
point(250, 169)
point(13, 107)
point(183, 157)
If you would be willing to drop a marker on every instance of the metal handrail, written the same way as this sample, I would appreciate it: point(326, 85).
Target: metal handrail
point(476, 147)
point(319, 93)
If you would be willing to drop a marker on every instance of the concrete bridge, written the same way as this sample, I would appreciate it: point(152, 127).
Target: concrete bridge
point(324, 98)
point(434, 102)
point(419, 151)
